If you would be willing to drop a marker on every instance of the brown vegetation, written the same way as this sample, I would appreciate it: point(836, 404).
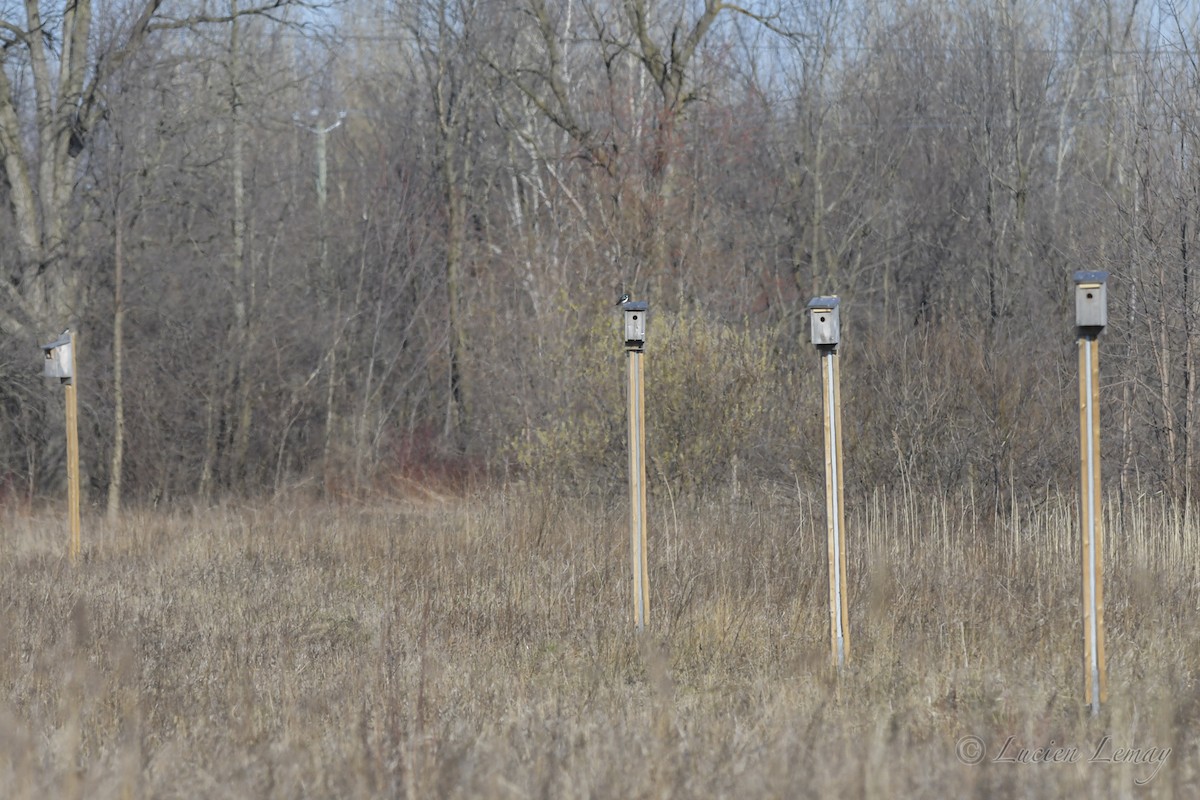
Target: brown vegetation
point(483, 649)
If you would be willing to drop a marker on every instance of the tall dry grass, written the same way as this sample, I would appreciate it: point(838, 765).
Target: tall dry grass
point(484, 649)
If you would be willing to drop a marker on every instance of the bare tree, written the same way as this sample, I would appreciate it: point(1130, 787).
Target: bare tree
point(444, 31)
point(663, 43)
point(54, 49)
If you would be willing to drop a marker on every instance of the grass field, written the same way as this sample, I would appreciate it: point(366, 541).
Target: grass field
point(483, 648)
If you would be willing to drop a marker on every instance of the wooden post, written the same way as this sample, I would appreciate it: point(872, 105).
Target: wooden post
point(1091, 524)
point(637, 489)
point(635, 341)
point(72, 462)
point(835, 515)
point(60, 363)
point(826, 334)
point(1091, 317)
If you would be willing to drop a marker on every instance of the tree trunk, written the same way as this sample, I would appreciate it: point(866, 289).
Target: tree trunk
point(1189, 358)
point(228, 414)
point(118, 345)
point(1164, 385)
point(456, 409)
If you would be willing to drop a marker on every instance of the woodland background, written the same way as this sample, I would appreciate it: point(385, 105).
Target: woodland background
point(343, 251)
point(355, 246)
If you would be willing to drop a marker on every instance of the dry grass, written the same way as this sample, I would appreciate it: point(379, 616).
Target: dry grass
point(483, 649)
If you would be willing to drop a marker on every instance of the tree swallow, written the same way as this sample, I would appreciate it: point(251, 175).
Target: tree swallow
point(624, 299)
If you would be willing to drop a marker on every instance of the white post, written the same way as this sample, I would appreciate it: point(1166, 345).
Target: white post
point(635, 342)
point(60, 358)
point(1091, 524)
point(1091, 316)
point(826, 335)
point(839, 637)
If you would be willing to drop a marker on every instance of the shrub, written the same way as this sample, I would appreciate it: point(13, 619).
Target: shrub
point(717, 400)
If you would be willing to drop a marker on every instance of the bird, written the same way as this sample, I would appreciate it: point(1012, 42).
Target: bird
point(624, 299)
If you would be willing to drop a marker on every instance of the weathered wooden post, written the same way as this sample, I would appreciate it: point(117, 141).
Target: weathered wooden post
point(635, 351)
point(826, 335)
point(1091, 317)
point(59, 363)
